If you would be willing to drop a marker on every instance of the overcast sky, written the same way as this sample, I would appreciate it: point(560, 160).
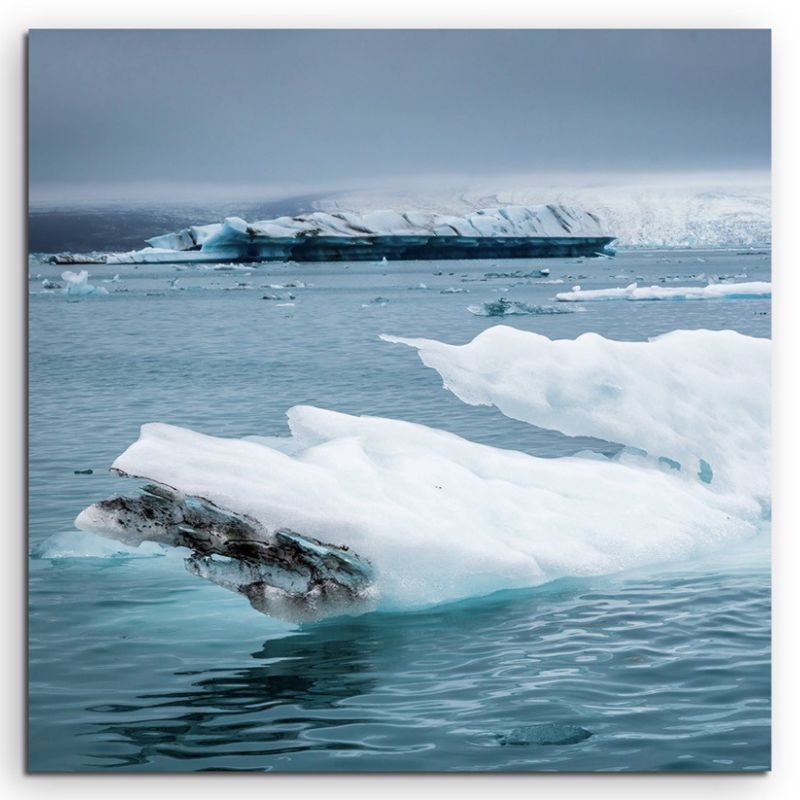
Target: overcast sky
point(114, 108)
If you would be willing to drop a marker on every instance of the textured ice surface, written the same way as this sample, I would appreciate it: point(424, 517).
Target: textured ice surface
point(548, 220)
point(441, 518)
point(280, 572)
point(713, 291)
point(276, 238)
point(687, 396)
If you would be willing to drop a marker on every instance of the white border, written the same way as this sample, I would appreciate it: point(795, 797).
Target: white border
point(785, 778)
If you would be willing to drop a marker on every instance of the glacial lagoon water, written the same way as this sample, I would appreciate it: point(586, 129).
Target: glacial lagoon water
point(136, 665)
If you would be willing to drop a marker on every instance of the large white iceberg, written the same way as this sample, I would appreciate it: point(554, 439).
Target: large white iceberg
point(510, 231)
point(350, 512)
point(512, 221)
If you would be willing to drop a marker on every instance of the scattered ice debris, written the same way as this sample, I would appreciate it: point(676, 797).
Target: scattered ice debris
point(454, 290)
point(503, 307)
point(518, 273)
point(727, 278)
point(544, 734)
point(376, 301)
point(83, 471)
point(50, 286)
point(77, 284)
point(544, 272)
point(700, 276)
point(290, 285)
point(713, 291)
point(115, 279)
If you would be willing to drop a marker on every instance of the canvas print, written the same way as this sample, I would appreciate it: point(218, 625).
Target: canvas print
point(399, 401)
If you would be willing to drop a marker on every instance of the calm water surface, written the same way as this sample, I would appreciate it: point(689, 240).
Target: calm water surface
point(135, 665)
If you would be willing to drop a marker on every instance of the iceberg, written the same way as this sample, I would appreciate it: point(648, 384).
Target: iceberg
point(509, 232)
point(414, 516)
point(713, 291)
point(354, 512)
point(77, 284)
point(692, 397)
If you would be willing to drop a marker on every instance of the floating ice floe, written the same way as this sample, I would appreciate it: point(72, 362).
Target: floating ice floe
point(694, 397)
point(713, 291)
point(77, 284)
point(506, 308)
point(351, 513)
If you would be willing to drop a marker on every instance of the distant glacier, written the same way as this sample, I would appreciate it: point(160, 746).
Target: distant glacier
point(643, 210)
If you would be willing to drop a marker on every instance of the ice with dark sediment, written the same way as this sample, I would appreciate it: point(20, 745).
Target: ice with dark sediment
point(350, 513)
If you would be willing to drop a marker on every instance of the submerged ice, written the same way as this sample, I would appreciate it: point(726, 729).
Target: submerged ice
point(356, 512)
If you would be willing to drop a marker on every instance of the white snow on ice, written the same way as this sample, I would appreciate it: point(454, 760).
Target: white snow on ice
point(77, 284)
point(686, 396)
point(713, 291)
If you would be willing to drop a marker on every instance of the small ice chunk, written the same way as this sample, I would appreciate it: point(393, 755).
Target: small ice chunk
point(77, 284)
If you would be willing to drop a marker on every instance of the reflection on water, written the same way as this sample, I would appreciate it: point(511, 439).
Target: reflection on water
point(666, 674)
